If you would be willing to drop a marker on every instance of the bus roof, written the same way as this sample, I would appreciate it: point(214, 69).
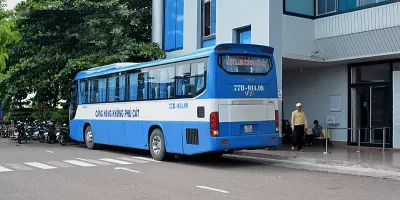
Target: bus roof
point(120, 67)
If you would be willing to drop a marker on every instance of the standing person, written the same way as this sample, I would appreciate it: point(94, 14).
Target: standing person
point(299, 125)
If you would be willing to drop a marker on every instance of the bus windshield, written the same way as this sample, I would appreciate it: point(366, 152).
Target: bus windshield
point(245, 64)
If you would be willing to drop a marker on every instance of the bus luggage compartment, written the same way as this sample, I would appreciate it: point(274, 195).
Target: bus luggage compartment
point(241, 120)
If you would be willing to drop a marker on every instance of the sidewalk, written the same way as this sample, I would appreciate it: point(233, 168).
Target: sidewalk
point(344, 160)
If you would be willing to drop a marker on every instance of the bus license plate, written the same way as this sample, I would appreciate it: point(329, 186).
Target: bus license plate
point(248, 128)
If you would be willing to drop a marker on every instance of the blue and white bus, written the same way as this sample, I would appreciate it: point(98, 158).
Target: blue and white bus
point(214, 100)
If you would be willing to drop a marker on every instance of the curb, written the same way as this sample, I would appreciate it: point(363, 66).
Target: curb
point(321, 163)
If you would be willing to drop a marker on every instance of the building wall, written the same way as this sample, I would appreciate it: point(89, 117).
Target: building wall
point(313, 88)
point(298, 38)
point(233, 14)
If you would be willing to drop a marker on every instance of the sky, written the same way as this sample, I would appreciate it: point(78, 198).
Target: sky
point(12, 3)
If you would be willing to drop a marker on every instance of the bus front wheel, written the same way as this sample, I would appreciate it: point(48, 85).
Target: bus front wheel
point(157, 145)
point(89, 138)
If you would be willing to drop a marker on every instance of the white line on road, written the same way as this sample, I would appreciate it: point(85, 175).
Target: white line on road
point(19, 167)
point(40, 165)
point(213, 189)
point(59, 164)
point(146, 159)
point(116, 161)
point(126, 169)
point(79, 163)
point(97, 162)
point(133, 160)
point(3, 169)
point(49, 151)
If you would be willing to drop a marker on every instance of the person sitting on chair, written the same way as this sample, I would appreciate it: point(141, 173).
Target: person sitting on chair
point(316, 132)
point(287, 132)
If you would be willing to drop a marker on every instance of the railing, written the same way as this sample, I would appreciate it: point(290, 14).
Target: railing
point(384, 132)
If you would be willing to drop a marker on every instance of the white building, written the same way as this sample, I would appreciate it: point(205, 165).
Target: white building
point(336, 57)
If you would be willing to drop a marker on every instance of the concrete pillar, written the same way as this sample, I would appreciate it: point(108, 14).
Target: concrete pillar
point(157, 21)
point(276, 41)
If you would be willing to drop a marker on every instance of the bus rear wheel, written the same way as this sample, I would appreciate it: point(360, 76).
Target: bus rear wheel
point(157, 145)
point(89, 138)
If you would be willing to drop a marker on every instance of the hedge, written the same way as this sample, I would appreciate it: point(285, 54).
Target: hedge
point(56, 115)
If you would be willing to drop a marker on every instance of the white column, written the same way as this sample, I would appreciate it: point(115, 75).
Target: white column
point(276, 41)
point(157, 21)
point(396, 110)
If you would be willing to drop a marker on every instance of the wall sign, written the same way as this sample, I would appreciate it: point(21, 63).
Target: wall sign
point(336, 103)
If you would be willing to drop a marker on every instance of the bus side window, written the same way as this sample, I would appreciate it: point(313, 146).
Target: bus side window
point(167, 82)
point(112, 87)
point(101, 97)
point(197, 80)
point(133, 86)
point(83, 92)
point(182, 78)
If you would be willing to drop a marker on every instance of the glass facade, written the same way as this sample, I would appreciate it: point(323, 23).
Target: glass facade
point(315, 8)
point(305, 7)
point(173, 24)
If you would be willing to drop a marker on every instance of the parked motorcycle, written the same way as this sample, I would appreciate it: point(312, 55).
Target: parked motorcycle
point(50, 132)
point(21, 133)
point(63, 135)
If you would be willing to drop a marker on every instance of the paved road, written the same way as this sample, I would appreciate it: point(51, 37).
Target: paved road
point(49, 171)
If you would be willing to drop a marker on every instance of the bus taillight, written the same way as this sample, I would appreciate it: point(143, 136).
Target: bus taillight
point(214, 124)
point(276, 121)
point(224, 48)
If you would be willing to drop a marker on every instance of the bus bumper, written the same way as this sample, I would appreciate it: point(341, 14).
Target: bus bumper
point(245, 142)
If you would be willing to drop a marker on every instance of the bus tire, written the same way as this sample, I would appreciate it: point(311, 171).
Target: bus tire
point(157, 145)
point(89, 138)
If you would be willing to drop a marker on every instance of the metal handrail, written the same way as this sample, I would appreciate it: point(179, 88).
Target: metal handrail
point(359, 136)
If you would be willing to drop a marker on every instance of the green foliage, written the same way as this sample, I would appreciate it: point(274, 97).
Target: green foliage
point(61, 38)
point(19, 114)
point(8, 34)
point(58, 116)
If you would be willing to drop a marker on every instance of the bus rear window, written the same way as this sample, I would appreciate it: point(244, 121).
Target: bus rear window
point(245, 64)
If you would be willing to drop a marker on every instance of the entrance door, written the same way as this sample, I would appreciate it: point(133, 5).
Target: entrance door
point(370, 111)
point(380, 114)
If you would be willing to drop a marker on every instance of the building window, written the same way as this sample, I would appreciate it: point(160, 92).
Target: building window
point(368, 2)
point(371, 73)
point(209, 19)
point(304, 7)
point(326, 6)
point(209, 22)
point(244, 35)
point(209, 43)
point(173, 24)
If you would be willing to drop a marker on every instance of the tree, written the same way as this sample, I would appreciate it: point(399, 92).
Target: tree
point(8, 35)
point(61, 38)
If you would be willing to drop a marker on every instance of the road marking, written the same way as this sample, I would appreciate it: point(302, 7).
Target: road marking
point(59, 164)
point(19, 167)
point(126, 169)
point(49, 151)
point(3, 169)
point(147, 159)
point(116, 161)
point(40, 165)
point(213, 189)
point(97, 162)
point(79, 163)
point(133, 160)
